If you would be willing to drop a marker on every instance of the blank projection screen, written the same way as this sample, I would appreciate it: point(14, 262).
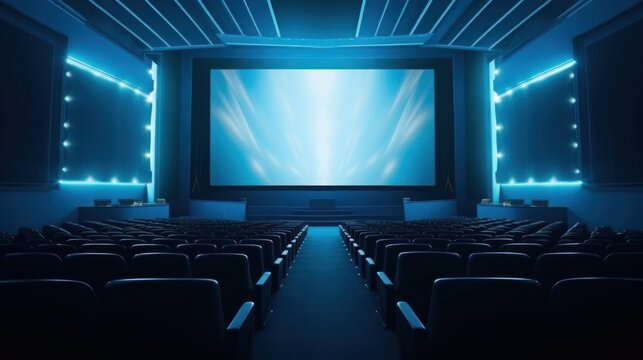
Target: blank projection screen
point(314, 127)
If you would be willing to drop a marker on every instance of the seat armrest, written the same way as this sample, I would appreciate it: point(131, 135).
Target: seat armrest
point(386, 299)
point(354, 249)
point(361, 258)
point(285, 255)
point(370, 270)
point(238, 334)
point(291, 253)
point(412, 334)
point(262, 295)
point(277, 272)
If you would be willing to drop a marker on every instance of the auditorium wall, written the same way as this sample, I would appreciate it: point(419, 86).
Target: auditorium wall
point(620, 208)
point(35, 207)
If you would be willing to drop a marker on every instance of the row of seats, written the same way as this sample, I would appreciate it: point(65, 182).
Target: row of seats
point(512, 318)
point(132, 319)
point(410, 274)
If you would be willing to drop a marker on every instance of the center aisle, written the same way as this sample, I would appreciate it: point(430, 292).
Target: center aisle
point(324, 311)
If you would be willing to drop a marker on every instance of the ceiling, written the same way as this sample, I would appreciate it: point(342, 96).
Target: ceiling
point(145, 26)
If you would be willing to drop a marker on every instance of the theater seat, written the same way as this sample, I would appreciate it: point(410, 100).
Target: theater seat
point(624, 265)
point(14, 248)
point(553, 267)
point(160, 265)
point(500, 264)
point(104, 248)
point(171, 243)
point(373, 265)
point(95, 269)
point(415, 274)
point(274, 266)
point(531, 249)
point(594, 248)
point(597, 318)
point(392, 252)
point(61, 250)
point(192, 250)
point(475, 318)
point(31, 266)
point(465, 249)
point(147, 248)
point(53, 319)
point(437, 244)
point(174, 319)
point(232, 272)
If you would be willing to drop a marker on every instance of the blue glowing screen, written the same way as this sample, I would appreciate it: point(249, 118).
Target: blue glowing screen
point(322, 127)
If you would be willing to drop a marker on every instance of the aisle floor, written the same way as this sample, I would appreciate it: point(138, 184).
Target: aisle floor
point(324, 311)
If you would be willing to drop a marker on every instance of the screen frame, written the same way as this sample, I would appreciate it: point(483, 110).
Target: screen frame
point(200, 187)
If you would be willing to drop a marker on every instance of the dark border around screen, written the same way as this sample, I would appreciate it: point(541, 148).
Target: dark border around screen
point(444, 115)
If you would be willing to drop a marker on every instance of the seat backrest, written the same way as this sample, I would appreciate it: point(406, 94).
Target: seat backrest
point(218, 242)
point(129, 242)
point(624, 265)
point(496, 243)
point(104, 248)
point(531, 249)
point(255, 258)
point(500, 264)
point(276, 243)
point(553, 267)
point(164, 318)
point(380, 247)
point(61, 250)
point(391, 253)
point(192, 250)
point(35, 265)
point(370, 242)
point(53, 317)
point(485, 317)
point(171, 243)
point(594, 248)
point(465, 249)
point(416, 272)
point(623, 247)
point(437, 244)
point(78, 242)
point(14, 248)
point(268, 250)
point(147, 248)
point(232, 272)
point(160, 265)
point(597, 318)
point(95, 269)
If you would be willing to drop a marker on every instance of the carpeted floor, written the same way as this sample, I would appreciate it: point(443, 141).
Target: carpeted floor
point(324, 311)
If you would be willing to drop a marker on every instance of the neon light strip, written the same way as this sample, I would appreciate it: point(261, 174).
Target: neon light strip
point(142, 22)
point(470, 21)
point(543, 75)
point(71, 182)
point(520, 23)
point(210, 16)
point(252, 17)
point(167, 21)
point(232, 17)
point(406, 4)
point(381, 18)
point(359, 22)
point(193, 21)
point(417, 23)
point(120, 23)
point(274, 19)
point(556, 183)
point(498, 22)
point(442, 16)
point(103, 75)
point(406, 40)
